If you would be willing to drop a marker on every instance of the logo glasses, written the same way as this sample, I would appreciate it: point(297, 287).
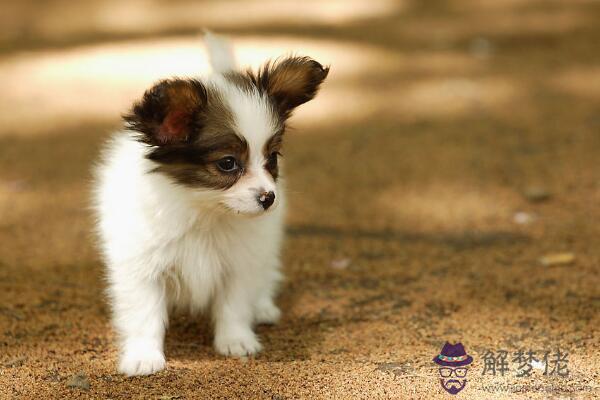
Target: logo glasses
point(447, 372)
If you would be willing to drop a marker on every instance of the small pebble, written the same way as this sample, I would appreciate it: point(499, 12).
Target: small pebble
point(53, 376)
point(79, 381)
point(536, 194)
point(557, 259)
point(522, 218)
point(15, 362)
point(341, 263)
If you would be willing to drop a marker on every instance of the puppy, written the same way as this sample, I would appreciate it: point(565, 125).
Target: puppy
point(190, 204)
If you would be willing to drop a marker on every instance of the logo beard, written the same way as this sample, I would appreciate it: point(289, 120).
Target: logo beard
point(453, 386)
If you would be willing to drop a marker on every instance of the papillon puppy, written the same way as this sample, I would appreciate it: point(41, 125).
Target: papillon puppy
point(190, 204)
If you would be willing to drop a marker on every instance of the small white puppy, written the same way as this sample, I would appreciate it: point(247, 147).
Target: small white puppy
point(189, 203)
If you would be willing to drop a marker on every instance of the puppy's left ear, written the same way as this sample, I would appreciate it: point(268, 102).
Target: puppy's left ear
point(291, 82)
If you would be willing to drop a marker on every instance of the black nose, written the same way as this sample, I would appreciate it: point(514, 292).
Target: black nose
point(266, 199)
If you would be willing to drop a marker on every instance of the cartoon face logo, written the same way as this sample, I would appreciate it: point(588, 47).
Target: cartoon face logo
point(453, 379)
point(453, 361)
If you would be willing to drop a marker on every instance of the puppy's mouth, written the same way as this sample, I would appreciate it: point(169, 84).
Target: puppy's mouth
point(255, 203)
point(250, 213)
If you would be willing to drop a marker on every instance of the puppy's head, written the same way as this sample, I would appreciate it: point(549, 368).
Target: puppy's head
point(222, 138)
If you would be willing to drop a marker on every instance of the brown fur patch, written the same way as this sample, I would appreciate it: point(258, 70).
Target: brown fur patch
point(169, 112)
point(189, 128)
point(290, 82)
point(195, 165)
point(272, 152)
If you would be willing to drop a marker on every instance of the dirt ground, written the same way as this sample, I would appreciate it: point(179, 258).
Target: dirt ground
point(454, 146)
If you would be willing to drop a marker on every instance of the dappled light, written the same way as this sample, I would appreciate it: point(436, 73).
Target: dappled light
point(99, 82)
point(425, 98)
point(579, 81)
point(497, 20)
point(450, 207)
point(60, 20)
point(443, 183)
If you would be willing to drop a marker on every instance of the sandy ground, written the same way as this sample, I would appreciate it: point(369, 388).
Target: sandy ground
point(454, 145)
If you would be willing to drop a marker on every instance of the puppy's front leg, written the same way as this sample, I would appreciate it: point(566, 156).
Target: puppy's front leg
point(140, 316)
point(233, 318)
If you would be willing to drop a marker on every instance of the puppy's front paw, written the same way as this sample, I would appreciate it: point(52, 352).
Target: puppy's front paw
point(267, 313)
point(237, 344)
point(141, 358)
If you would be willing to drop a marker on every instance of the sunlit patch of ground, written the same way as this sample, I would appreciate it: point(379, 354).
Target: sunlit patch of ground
point(63, 87)
point(100, 82)
point(449, 207)
point(458, 96)
point(582, 81)
point(424, 98)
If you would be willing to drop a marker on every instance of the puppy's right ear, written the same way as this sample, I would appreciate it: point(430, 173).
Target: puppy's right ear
point(169, 113)
point(291, 81)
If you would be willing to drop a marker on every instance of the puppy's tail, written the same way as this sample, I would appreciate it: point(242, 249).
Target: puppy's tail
point(220, 53)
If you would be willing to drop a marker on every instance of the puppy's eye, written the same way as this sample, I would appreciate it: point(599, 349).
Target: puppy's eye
point(228, 164)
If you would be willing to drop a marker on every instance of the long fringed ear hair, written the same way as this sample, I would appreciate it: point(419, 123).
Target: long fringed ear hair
point(169, 113)
point(290, 82)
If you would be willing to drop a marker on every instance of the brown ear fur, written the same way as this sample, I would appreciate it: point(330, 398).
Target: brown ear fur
point(291, 82)
point(169, 112)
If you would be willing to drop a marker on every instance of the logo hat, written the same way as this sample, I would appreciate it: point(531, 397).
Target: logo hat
point(453, 355)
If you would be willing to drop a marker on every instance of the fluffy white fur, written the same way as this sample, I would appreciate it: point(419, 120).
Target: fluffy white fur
point(170, 247)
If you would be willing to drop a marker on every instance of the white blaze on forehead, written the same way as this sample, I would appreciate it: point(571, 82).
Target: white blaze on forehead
point(256, 122)
point(254, 116)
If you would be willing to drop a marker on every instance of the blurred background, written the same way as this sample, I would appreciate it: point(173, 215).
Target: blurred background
point(443, 184)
